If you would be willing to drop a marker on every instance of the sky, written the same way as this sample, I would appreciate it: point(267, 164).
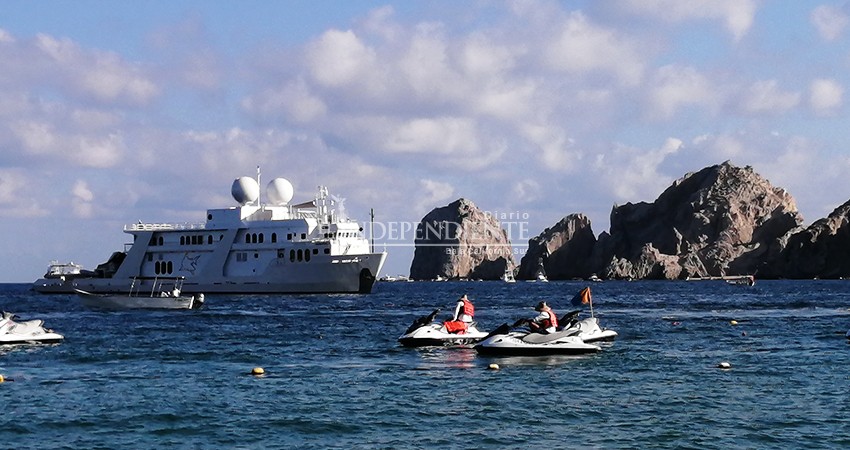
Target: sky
point(115, 112)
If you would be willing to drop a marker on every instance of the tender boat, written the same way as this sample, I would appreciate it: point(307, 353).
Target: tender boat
point(60, 277)
point(511, 341)
point(28, 332)
point(272, 247)
point(424, 332)
point(165, 293)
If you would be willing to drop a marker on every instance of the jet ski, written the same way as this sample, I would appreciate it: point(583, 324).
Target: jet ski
point(517, 340)
point(425, 332)
point(28, 332)
point(587, 329)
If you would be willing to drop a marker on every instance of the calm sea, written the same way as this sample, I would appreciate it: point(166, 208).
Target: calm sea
point(337, 378)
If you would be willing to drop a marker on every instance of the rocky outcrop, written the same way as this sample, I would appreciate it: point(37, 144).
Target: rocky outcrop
point(819, 251)
point(564, 250)
point(719, 221)
point(460, 241)
point(722, 220)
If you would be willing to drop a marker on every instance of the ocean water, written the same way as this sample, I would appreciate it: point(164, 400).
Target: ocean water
point(337, 378)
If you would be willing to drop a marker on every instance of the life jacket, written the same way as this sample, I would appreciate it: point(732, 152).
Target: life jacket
point(552, 321)
point(468, 308)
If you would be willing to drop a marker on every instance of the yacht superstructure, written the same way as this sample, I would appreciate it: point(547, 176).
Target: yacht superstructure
point(255, 247)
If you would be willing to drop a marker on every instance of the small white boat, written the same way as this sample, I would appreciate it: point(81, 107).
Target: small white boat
point(425, 332)
point(508, 277)
point(160, 293)
point(28, 332)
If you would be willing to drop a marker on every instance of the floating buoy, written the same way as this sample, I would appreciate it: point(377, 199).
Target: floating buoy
point(257, 371)
point(2, 379)
point(675, 323)
point(493, 367)
point(724, 365)
point(733, 322)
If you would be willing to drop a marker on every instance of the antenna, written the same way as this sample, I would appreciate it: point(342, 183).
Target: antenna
point(372, 230)
point(258, 184)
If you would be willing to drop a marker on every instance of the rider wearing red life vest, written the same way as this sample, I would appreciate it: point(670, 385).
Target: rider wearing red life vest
point(464, 310)
point(546, 321)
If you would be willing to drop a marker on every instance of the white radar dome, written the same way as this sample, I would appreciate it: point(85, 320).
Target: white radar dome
point(245, 190)
point(279, 191)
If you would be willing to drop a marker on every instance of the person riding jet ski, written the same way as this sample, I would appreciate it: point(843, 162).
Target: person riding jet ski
point(546, 321)
point(463, 316)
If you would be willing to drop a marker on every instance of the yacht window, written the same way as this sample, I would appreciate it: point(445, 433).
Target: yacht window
point(292, 255)
point(307, 255)
point(303, 235)
point(315, 251)
point(170, 267)
point(182, 240)
point(247, 238)
point(261, 238)
point(161, 241)
point(327, 251)
point(300, 255)
point(209, 239)
point(288, 236)
point(274, 238)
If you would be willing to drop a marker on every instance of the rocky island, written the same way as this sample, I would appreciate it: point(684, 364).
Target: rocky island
point(723, 220)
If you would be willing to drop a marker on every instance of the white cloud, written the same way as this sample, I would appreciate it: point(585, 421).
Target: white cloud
point(584, 48)
point(737, 15)
point(445, 135)
point(339, 58)
point(675, 87)
point(634, 174)
point(431, 195)
point(81, 200)
point(830, 21)
point(826, 96)
point(765, 97)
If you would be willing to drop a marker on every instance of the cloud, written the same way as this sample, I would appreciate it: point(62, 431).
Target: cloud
point(631, 174)
point(339, 58)
point(737, 15)
point(830, 21)
point(18, 195)
point(826, 96)
point(431, 195)
point(584, 48)
point(674, 87)
point(81, 200)
point(765, 97)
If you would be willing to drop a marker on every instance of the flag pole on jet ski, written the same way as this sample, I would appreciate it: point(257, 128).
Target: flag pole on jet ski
point(583, 298)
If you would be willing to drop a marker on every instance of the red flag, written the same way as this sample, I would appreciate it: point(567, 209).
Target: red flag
point(582, 298)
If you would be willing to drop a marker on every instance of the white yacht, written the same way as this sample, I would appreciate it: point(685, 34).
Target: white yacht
point(255, 247)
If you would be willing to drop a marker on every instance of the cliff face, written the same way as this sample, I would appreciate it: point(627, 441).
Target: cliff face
point(460, 241)
point(564, 250)
point(819, 251)
point(721, 220)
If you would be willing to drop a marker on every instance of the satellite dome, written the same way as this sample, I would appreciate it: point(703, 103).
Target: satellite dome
point(245, 190)
point(279, 191)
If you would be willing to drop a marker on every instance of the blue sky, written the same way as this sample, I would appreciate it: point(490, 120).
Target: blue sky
point(113, 112)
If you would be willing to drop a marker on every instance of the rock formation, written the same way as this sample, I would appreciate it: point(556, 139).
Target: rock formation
point(460, 241)
point(564, 250)
point(722, 220)
point(819, 251)
point(719, 221)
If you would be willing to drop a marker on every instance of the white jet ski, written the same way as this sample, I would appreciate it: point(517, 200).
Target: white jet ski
point(515, 340)
point(29, 332)
point(587, 329)
point(424, 332)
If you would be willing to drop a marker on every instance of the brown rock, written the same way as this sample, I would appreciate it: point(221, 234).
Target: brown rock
point(460, 241)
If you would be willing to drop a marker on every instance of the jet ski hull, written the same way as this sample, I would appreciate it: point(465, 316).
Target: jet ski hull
point(513, 345)
point(435, 335)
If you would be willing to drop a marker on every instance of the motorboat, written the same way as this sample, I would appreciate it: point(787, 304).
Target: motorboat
point(160, 293)
point(60, 276)
point(274, 246)
point(26, 332)
point(517, 340)
point(424, 331)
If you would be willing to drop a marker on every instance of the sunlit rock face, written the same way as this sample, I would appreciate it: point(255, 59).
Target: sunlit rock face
point(722, 220)
point(460, 241)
